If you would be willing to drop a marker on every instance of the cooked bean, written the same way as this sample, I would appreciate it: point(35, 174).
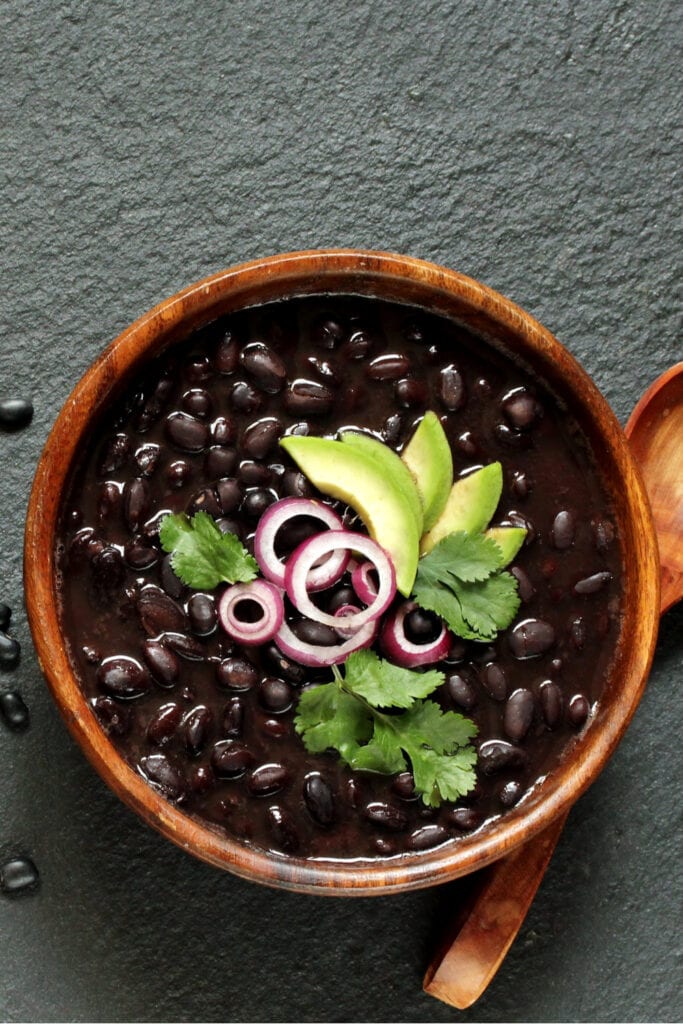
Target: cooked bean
point(197, 729)
point(312, 632)
point(410, 392)
point(521, 484)
point(197, 402)
point(245, 398)
point(136, 502)
point(147, 457)
point(254, 474)
point(563, 530)
point(187, 432)
point(464, 818)
point(257, 500)
point(527, 591)
point(201, 779)
point(140, 553)
point(531, 638)
point(10, 651)
point(404, 786)
point(123, 677)
point(108, 569)
point(494, 681)
point(227, 354)
point(393, 428)
point(201, 611)
point(358, 346)
point(260, 437)
point(173, 586)
point(603, 533)
point(116, 453)
point(518, 714)
point(15, 413)
point(264, 366)
point(236, 674)
point(319, 799)
point(220, 462)
point(186, 646)
point(578, 632)
point(233, 718)
point(274, 727)
point(462, 690)
point(178, 473)
point(520, 408)
point(592, 584)
point(205, 500)
point(426, 837)
point(114, 718)
point(495, 755)
point(282, 829)
point(388, 367)
point(386, 815)
point(275, 695)
point(223, 430)
point(161, 662)
point(13, 710)
point(451, 388)
point(278, 663)
point(327, 333)
point(267, 779)
point(467, 444)
point(511, 793)
point(550, 697)
point(578, 710)
point(308, 398)
point(162, 726)
point(164, 775)
point(512, 438)
point(230, 758)
point(18, 875)
point(159, 613)
point(296, 485)
point(109, 501)
point(325, 370)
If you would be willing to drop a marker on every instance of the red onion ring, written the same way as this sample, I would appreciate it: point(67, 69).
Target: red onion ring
point(403, 651)
point(343, 612)
point(274, 518)
point(305, 556)
point(269, 599)
point(317, 656)
point(362, 582)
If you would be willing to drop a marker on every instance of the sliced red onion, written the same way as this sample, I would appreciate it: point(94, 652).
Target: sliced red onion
point(269, 599)
point(403, 651)
point(322, 575)
point(317, 655)
point(363, 583)
point(343, 612)
point(306, 555)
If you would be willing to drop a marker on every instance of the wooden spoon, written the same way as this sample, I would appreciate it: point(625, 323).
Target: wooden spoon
point(501, 895)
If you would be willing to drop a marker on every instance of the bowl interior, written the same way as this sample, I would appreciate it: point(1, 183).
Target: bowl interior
point(507, 328)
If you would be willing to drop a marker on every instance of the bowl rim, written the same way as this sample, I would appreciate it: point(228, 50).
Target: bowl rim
point(388, 275)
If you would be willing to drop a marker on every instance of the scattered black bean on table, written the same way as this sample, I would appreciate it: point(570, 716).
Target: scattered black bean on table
point(18, 876)
point(209, 723)
point(15, 413)
point(14, 711)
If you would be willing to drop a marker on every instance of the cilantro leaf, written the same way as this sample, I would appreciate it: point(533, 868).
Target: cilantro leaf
point(468, 556)
point(443, 777)
point(386, 685)
point(382, 754)
point(490, 605)
point(443, 730)
point(202, 556)
point(327, 717)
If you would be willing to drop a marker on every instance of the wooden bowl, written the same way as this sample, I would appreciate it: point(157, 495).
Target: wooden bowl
point(509, 328)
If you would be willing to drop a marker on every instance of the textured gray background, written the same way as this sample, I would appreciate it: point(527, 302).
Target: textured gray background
point(532, 145)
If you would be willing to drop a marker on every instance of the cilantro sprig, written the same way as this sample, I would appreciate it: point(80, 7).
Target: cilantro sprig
point(202, 556)
point(376, 717)
point(461, 580)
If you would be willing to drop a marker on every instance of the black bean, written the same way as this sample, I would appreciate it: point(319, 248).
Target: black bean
point(518, 714)
point(136, 502)
point(274, 727)
point(301, 429)
point(261, 436)
point(204, 501)
point(388, 367)
point(123, 677)
point(197, 402)
point(108, 569)
point(451, 388)
point(264, 366)
point(296, 485)
point(520, 408)
point(526, 589)
point(230, 525)
point(393, 428)
point(10, 652)
point(198, 369)
point(324, 369)
point(201, 610)
point(421, 626)
point(410, 392)
point(116, 453)
point(354, 792)
point(464, 818)
point(457, 653)
point(403, 785)
point(173, 586)
point(140, 553)
point(327, 333)
point(178, 473)
point(197, 729)
point(275, 695)
point(5, 615)
point(147, 457)
point(494, 681)
point(426, 837)
point(161, 662)
point(462, 690)
point(159, 613)
point(578, 632)
point(578, 710)
point(108, 501)
point(187, 432)
point(267, 779)
point(358, 346)
point(223, 431)
point(254, 474)
point(230, 758)
point(317, 633)
point(15, 413)
point(257, 500)
point(283, 830)
point(592, 584)
point(319, 799)
point(220, 462)
point(163, 724)
point(467, 444)
point(19, 875)
point(245, 398)
point(236, 674)
point(227, 354)
point(201, 779)
point(186, 646)
point(386, 815)
point(494, 755)
point(563, 530)
point(92, 655)
point(550, 698)
point(511, 793)
point(163, 775)
point(521, 484)
point(281, 665)
point(603, 533)
point(13, 710)
point(512, 438)
point(114, 718)
point(233, 718)
point(147, 416)
point(531, 638)
point(308, 398)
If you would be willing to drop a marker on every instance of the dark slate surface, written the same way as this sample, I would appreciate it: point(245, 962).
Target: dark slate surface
point(146, 145)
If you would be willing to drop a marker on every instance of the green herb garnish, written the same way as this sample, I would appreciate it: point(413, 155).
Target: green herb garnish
point(202, 556)
point(349, 716)
point(460, 579)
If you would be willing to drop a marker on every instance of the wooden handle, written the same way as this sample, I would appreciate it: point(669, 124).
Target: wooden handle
point(487, 924)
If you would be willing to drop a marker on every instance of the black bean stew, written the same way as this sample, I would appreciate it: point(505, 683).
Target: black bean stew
point(210, 724)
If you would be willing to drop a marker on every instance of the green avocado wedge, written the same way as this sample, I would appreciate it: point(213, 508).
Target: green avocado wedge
point(509, 539)
point(349, 474)
point(428, 457)
point(470, 505)
point(393, 468)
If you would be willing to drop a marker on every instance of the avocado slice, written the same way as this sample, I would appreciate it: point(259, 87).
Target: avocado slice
point(509, 539)
point(347, 473)
point(394, 470)
point(470, 506)
point(428, 457)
